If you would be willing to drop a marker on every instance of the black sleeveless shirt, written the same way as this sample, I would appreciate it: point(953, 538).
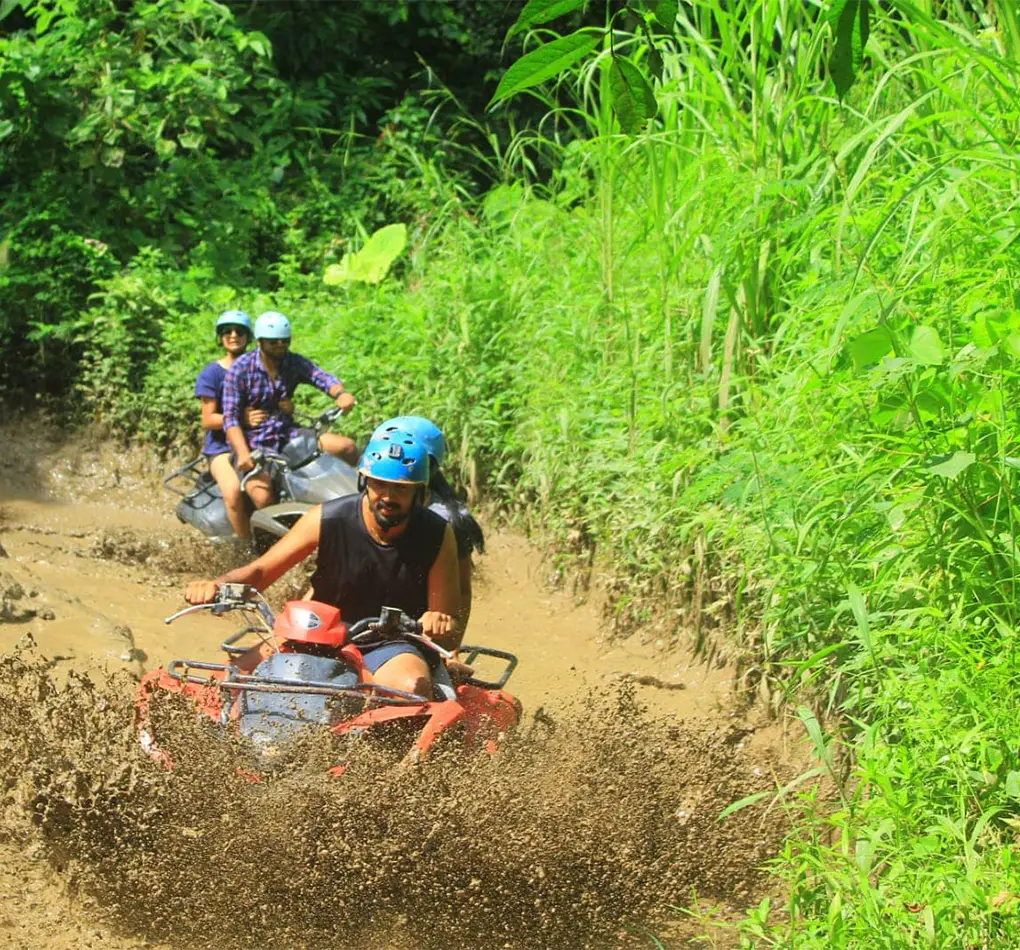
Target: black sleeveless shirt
point(359, 575)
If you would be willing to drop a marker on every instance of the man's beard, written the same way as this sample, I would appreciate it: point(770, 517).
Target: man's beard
point(388, 521)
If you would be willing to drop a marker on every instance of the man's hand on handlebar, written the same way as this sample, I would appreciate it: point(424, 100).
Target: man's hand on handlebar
point(345, 401)
point(201, 592)
point(245, 463)
point(254, 417)
point(436, 625)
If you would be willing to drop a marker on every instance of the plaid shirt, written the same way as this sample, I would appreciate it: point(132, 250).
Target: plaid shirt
point(248, 384)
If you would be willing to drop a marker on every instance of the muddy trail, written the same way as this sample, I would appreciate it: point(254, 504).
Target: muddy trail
point(593, 825)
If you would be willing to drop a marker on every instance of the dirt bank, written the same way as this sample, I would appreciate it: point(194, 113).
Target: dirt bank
point(592, 826)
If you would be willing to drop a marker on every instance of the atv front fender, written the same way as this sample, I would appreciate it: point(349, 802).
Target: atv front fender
point(270, 524)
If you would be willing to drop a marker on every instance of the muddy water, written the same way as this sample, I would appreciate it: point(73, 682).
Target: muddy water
point(594, 823)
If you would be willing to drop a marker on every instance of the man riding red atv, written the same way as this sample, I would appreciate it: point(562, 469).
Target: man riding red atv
point(388, 567)
point(306, 668)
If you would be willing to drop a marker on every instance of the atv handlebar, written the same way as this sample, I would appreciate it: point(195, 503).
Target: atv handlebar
point(231, 597)
point(265, 457)
point(261, 457)
point(323, 420)
point(393, 624)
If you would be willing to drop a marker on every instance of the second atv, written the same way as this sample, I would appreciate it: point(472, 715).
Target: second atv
point(302, 476)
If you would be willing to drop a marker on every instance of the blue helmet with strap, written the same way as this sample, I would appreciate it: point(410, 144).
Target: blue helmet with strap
point(395, 457)
point(233, 318)
point(423, 430)
point(272, 326)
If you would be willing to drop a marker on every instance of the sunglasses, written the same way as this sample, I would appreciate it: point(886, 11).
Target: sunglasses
point(231, 329)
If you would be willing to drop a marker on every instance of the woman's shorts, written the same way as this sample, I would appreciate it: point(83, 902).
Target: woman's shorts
point(375, 656)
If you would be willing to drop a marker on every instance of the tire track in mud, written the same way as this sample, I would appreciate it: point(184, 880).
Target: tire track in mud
point(593, 824)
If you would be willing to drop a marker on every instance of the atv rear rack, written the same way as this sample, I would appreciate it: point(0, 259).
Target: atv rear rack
point(195, 480)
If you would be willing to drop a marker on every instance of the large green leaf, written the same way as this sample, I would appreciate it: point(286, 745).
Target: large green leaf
point(926, 347)
point(372, 263)
point(7, 7)
point(951, 466)
point(998, 328)
point(869, 348)
point(632, 97)
point(666, 12)
point(545, 62)
point(542, 11)
point(851, 24)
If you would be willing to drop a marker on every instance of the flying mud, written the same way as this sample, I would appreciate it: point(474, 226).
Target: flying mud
point(589, 828)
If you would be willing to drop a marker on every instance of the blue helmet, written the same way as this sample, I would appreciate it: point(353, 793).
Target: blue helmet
point(272, 326)
point(397, 457)
point(420, 428)
point(233, 318)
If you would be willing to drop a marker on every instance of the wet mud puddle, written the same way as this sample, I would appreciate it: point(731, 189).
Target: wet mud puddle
point(591, 826)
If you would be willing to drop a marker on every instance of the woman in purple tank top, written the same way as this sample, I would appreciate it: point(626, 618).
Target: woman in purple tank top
point(233, 331)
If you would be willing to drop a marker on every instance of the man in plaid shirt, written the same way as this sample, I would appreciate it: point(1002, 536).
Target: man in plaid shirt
point(266, 379)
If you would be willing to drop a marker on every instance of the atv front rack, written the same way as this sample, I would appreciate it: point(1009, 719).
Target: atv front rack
point(372, 692)
point(468, 654)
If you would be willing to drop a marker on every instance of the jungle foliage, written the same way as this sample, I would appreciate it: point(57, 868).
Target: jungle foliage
point(226, 140)
point(735, 313)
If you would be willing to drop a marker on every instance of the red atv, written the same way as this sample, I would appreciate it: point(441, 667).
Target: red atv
point(305, 669)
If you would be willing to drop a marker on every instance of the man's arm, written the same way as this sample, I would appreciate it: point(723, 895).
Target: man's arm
point(291, 549)
point(440, 621)
point(308, 372)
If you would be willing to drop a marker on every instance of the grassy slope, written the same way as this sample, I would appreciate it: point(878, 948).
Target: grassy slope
point(764, 360)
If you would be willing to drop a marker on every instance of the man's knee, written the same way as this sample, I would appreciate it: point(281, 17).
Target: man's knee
point(261, 498)
point(340, 446)
point(419, 685)
point(410, 681)
point(406, 672)
point(259, 491)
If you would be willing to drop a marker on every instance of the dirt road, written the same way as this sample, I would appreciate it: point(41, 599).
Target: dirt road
point(588, 833)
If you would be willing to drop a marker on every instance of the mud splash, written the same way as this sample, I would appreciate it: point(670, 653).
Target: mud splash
point(584, 831)
point(593, 824)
